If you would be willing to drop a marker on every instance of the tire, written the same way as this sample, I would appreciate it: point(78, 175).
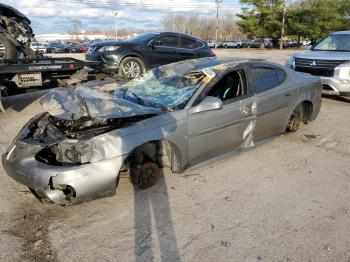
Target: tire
point(131, 67)
point(9, 50)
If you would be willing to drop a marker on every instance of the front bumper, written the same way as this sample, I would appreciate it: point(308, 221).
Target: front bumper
point(50, 182)
point(335, 86)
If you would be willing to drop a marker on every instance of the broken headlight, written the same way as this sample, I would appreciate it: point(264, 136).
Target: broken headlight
point(66, 152)
point(73, 151)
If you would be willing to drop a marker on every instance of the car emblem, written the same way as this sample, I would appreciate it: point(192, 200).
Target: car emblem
point(313, 63)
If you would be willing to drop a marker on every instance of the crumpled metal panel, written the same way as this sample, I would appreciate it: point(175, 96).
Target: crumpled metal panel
point(81, 101)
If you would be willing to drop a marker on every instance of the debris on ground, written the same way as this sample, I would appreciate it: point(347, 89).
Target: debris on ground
point(225, 243)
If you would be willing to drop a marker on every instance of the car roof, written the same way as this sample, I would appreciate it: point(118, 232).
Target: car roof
point(347, 32)
point(215, 63)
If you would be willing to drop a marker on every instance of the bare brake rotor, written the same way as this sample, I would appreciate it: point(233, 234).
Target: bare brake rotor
point(146, 176)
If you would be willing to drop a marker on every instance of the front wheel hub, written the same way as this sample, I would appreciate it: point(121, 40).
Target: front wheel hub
point(146, 176)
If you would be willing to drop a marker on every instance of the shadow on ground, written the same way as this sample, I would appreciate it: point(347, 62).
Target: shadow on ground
point(156, 204)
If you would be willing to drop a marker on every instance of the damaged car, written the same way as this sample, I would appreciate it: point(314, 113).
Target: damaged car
point(16, 34)
point(178, 116)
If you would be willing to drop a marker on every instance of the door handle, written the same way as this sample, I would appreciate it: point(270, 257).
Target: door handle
point(289, 94)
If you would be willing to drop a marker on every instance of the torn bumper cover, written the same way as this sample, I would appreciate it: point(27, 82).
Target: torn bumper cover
point(61, 184)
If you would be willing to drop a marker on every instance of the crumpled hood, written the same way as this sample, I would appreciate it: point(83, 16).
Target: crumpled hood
point(81, 101)
point(324, 55)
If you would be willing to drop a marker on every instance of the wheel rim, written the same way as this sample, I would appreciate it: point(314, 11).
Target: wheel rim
point(132, 69)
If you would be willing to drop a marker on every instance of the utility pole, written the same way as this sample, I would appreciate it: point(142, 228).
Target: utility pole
point(217, 2)
point(116, 25)
point(283, 23)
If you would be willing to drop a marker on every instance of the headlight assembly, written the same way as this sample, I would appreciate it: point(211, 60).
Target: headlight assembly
point(343, 71)
point(291, 63)
point(67, 152)
point(109, 48)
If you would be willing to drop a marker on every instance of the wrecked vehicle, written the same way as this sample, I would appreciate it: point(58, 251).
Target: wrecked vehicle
point(179, 115)
point(329, 59)
point(15, 34)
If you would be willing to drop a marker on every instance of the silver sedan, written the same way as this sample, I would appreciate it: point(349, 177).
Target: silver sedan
point(179, 115)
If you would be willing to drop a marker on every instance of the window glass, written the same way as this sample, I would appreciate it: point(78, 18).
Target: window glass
point(189, 43)
point(266, 78)
point(167, 41)
point(337, 42)
point(230, 86)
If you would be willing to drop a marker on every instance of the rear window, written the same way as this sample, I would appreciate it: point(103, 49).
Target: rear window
point(266, 78)
point(189, 43)
point(167, 41)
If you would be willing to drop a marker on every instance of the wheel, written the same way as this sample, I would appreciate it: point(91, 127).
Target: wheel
point(7, 49)
point(131, 67)
point(145, 175)
point(294, 123)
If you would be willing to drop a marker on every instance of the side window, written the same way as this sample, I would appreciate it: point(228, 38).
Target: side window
point(170, 41)
point(189, 43)
point(231, 86)
point(266, 78)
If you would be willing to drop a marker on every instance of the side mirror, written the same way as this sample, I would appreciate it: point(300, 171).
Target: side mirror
point(208, 104)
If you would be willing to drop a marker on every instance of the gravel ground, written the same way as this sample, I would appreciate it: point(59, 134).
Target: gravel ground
point(285, 200)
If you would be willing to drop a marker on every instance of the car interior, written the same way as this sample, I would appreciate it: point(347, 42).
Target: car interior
point(230, 86)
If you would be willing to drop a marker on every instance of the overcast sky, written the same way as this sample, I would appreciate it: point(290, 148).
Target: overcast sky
point(55, 16)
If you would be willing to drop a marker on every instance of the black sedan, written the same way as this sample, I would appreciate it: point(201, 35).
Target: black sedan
point(132, 57)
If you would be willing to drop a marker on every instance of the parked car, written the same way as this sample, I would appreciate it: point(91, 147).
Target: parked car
point(38, 47)
point(229, 44)
point(57, 48)
point(211, 44)
point(306, 42)
point(72, 49)
point(233, 44)
point(329, 59)
point(178, 115)
point(257, 43)
point(84, 48)
point(133, 57)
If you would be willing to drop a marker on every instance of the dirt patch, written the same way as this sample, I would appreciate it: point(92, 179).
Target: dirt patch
point(31, 226)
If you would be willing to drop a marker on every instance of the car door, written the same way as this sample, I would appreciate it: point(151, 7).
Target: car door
point(212, 133)
point(275, 98)
point(163, 50)
point(188, 48)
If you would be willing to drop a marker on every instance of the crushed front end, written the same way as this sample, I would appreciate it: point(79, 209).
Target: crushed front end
point(57, 161)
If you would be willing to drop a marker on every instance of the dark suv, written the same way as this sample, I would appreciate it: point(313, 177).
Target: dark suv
point(133, 57)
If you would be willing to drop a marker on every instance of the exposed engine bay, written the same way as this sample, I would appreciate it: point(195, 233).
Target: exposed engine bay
point(65, 141)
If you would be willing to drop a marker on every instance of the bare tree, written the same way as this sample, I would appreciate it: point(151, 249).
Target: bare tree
point(203, 27)
point(75, 29)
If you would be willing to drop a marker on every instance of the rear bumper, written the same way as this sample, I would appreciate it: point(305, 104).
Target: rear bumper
point(335, 86)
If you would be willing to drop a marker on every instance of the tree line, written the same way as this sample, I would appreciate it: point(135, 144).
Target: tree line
point(304, 19)
point(203, 27)
point(312, 19)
